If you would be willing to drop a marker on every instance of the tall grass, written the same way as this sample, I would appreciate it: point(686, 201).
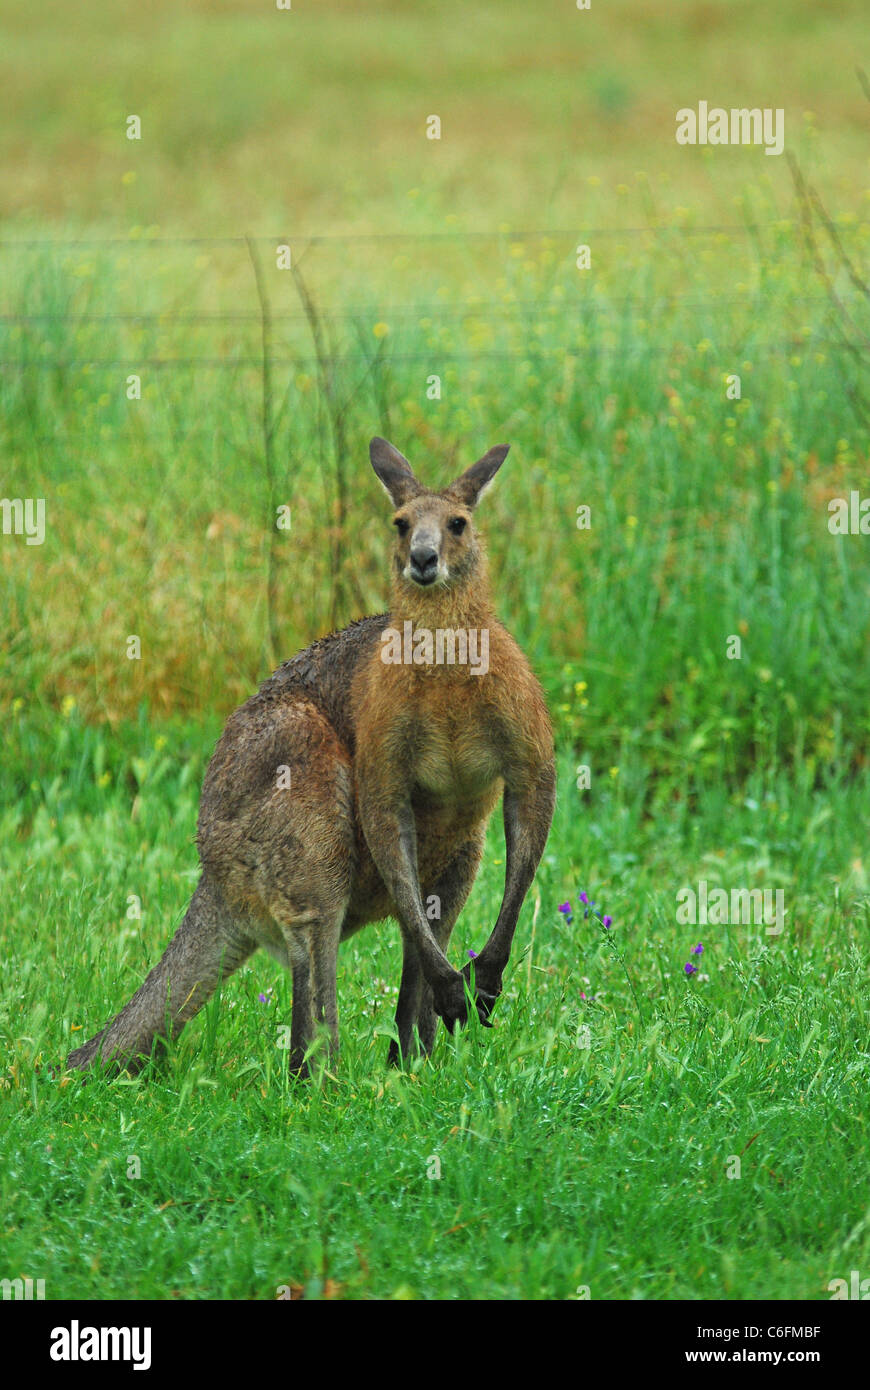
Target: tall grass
point(708, 515)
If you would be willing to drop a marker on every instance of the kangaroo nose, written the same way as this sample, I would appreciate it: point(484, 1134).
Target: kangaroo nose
point(424, 563)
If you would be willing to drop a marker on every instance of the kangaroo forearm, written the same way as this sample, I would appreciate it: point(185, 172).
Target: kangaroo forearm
point(527, 821)
point(397, 863)
point(496, 952)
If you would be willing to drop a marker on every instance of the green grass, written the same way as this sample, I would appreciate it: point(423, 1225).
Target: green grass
point(315, 119)
point(561, 1164)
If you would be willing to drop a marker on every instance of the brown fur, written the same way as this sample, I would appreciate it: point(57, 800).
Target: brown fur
point(395, 770)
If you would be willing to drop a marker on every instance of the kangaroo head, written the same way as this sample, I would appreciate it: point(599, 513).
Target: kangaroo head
point(435, 540)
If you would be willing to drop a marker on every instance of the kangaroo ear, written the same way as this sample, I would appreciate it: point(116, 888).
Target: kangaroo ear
point(471, 486)
point(394, 471)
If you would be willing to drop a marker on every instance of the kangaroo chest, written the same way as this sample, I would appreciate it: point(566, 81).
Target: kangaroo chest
point(454, 760)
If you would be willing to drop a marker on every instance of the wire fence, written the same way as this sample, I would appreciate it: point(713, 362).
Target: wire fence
point(751, 302)
point(463, 308)
point(353, 238)
point(435, 355)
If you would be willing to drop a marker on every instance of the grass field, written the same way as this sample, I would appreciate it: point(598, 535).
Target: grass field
point(588, 1143)
point(567, 1158)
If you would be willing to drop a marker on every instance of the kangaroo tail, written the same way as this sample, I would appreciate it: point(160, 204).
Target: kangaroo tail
point(207, 947)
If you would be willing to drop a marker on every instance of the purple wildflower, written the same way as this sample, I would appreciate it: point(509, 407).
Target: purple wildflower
point(690, 969)
point(472, 955)
point(698, 950)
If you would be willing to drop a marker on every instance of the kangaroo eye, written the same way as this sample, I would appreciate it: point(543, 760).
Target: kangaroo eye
point(401, 525)
point(457, 525)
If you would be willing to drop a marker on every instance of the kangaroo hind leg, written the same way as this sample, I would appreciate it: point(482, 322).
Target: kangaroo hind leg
point(311, 938)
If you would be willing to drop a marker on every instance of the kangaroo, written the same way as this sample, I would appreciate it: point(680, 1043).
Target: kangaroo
point(357, 785)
